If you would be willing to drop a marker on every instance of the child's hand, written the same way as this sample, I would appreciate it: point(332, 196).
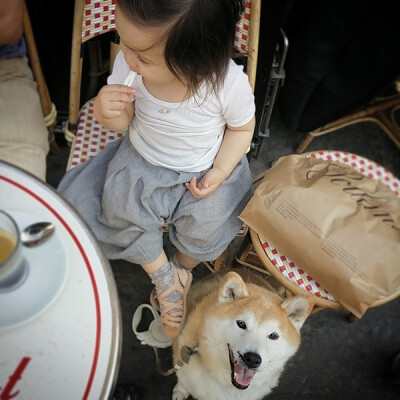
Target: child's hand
point(112, 100)
point(208, 184)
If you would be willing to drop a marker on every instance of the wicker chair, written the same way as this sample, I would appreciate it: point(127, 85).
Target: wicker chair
point(93, 18)
point(260, 254)
point(375, 112)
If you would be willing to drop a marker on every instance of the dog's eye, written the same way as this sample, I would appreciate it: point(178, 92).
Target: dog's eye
point(241, 324)
point(273, 336)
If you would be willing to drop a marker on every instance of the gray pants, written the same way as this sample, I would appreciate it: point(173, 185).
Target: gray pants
point(125, 200)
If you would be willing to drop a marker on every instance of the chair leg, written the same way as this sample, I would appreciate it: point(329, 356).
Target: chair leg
point(248, 257)
point(304, 143)
point(98, 67)
point(54, 148)
point(352, 318)
point(49, 110)
point(373, 113)
point(244, 249)
point(220, 261)
point(389, 127)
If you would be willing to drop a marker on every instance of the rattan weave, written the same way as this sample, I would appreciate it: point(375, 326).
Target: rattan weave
point(241, 42)
point(98, 18)
point(90, 137)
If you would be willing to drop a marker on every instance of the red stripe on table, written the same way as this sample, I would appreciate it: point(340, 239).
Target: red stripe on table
point(90, 271)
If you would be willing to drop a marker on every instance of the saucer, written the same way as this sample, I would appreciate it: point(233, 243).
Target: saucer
point(47, 273)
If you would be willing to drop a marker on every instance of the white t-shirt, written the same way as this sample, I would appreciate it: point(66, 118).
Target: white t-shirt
point(186, 136)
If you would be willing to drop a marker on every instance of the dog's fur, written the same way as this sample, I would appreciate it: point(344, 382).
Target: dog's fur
point(242, 334)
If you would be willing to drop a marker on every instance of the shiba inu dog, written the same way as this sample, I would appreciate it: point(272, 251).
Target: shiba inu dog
point(237, 338)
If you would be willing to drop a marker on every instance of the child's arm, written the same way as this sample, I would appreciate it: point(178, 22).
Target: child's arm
point(113, 107)
point(234, 145)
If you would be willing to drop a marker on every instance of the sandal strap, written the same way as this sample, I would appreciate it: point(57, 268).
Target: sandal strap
point(173, 312)
point(177, 286)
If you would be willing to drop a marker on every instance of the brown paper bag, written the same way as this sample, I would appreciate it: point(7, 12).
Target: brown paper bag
point(339, 226)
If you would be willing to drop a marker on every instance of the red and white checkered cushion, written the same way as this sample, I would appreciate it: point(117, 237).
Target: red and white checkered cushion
point(90, 138)
point(241, 42)
point(98, 18)
point(285, 265)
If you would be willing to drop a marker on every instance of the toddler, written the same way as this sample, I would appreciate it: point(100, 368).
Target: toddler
point(189, 114)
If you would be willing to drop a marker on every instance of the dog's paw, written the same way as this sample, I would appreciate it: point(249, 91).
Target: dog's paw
point(179, 393)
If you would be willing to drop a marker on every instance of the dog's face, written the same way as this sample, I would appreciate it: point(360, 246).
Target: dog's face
point(251, 332)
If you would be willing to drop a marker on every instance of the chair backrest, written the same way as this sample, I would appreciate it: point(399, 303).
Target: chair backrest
point(94, 17)
point(247, 36)
point(91, 18)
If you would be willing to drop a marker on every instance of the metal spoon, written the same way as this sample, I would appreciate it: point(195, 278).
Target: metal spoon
point(37, 233)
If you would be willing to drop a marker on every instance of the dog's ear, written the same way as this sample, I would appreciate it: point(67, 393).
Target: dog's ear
point(297, 308)
point(232, 288)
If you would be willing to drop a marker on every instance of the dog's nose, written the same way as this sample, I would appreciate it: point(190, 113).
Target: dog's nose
point(252, 360)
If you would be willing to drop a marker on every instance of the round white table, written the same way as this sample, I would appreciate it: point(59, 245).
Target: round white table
point(60, 331)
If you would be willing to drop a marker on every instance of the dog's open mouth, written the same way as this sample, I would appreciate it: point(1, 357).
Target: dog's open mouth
point(241, 377)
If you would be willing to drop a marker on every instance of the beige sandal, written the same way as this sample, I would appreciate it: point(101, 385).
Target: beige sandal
point(173, 321)
point(154, 299)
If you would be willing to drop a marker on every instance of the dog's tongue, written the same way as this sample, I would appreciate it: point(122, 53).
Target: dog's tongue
point(243, 376)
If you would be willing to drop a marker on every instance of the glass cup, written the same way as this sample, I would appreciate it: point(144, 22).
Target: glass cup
point(13, 266)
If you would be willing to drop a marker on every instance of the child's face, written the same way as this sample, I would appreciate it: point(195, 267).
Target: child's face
point(142, 50)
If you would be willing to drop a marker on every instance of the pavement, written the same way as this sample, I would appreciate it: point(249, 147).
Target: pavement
point(337, 360)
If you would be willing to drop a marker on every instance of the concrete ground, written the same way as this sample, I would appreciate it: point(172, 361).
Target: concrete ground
point(337, 359)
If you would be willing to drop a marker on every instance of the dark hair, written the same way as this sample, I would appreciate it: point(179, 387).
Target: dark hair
point(199, 34)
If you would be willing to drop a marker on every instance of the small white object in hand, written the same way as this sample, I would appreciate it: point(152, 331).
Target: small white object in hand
point(129, 82)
